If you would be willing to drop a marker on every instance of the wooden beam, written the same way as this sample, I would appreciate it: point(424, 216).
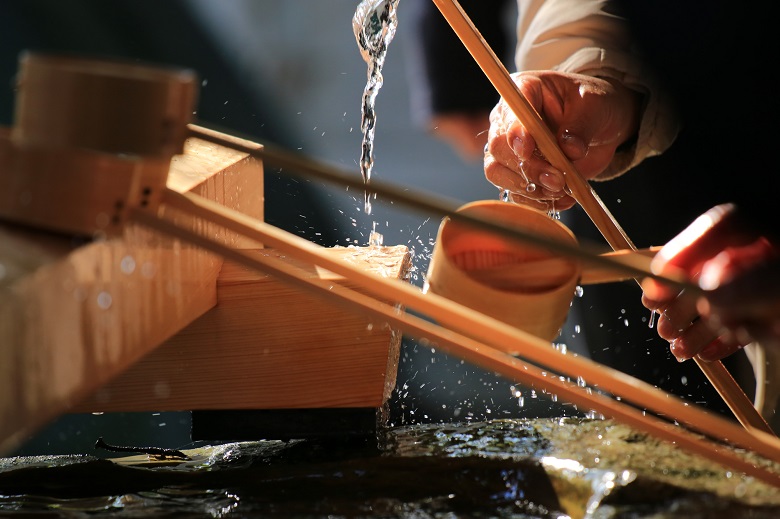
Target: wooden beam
point(267, 345)
point(74, 314)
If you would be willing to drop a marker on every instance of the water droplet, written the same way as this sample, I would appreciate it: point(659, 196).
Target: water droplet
point(104, 300)
point(375, 239)
point(127, 265)
point(530, 187)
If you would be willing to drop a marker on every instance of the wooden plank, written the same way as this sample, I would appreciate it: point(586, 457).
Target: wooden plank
point(73, 315)
point(267, 345)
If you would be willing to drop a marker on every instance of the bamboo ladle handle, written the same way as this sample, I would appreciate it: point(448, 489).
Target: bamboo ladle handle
point(502, 81)
point(553, 271)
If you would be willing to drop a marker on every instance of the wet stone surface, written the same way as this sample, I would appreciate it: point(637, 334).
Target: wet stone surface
point(540, 468)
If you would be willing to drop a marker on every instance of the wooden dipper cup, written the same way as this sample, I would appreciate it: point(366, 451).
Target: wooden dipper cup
point(102, 105)
point(460, 250)
point(91, 137)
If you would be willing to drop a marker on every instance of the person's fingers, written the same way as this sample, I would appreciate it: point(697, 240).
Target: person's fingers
point(502, 176)
point(545, 178)
point(657, 294)
point(741, 286)
point(676, 317)
point(720, 348)
point(705, 237)
point(692, 340)
point(573, 144)
point(756, 264)
point(752, 321)
point(535, 177)
point(689, 334)
point(541, 205)
point(520, 142)
point(518, 137)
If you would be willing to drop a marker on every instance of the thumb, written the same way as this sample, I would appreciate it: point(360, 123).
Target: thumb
point(573, 144)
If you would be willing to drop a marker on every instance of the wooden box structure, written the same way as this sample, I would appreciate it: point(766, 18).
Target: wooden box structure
point(126, 318)
point(232, 356)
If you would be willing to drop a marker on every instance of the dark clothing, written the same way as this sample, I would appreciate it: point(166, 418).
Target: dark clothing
point(443, 76)
point(716, 59)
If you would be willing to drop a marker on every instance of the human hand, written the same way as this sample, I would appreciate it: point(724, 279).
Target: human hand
point(739, 270)
point(589, 116)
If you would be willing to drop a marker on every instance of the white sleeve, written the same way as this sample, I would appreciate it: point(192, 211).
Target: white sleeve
point(582, 36)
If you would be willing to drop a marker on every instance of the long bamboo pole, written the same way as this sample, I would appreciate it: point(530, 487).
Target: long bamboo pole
point(472, 350)
point(431, 204)
point(495, 71)
point(483, 328)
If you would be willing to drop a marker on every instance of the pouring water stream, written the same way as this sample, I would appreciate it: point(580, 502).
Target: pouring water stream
point(374, 25)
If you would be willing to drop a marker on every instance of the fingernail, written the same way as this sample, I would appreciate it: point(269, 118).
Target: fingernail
point(677, 351)
point(517, 147)
point(551, 181)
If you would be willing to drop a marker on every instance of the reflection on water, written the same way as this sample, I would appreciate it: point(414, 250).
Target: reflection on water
point(542, 468)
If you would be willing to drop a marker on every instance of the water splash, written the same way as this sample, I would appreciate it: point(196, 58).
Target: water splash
point(529, 186)
point(552, 212)
point(375, 239)
point(374, 25)
point(651, 323)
